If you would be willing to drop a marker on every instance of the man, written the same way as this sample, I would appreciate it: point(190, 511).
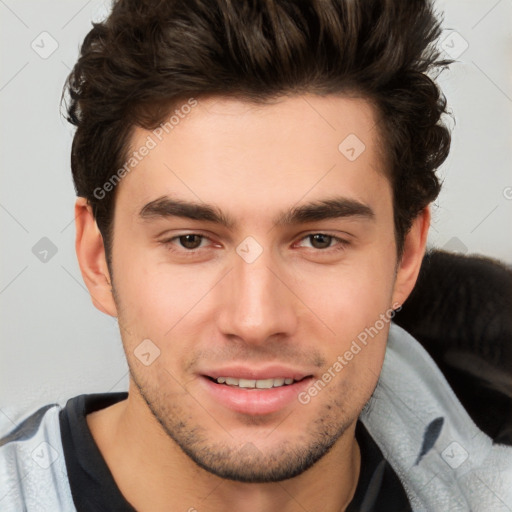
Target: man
point(253, 183)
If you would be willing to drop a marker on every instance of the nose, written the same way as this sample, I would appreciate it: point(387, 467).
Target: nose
point(256, 303)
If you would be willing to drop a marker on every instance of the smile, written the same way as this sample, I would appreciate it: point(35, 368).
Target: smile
point(254, 396)
point(254, 383)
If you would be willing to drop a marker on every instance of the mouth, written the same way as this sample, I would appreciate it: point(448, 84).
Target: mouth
point(273, 382)
point(254, 396)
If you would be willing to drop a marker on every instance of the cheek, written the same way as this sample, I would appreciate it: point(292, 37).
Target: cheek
point(155, 298)
point(350, 297)
point(353, 300)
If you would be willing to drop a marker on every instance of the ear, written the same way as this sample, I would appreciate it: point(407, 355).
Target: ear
point(414, 250)
point(92, 259)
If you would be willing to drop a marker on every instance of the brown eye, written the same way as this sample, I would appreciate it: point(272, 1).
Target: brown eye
point(190, 241)
point(320, 241)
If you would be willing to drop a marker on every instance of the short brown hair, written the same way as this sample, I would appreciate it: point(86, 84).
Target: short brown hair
point(149, 55)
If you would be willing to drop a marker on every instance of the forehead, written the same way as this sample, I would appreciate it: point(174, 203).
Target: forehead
point(233, 151)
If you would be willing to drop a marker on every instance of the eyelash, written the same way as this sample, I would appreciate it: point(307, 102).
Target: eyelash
point(341, 243)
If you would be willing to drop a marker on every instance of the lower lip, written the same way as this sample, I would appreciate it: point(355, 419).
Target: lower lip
point(255, 401)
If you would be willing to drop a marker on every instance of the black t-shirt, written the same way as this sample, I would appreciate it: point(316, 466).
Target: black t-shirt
point(94, 490)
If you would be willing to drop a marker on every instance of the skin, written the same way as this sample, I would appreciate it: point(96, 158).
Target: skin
point(297, 304)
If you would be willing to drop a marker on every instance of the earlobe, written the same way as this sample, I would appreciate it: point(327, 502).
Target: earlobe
point(90, 251)
point(410, 264)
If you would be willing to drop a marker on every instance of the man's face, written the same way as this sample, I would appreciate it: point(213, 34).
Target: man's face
point(259, 297)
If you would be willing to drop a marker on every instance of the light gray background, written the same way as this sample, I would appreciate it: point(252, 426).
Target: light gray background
point(53, 343)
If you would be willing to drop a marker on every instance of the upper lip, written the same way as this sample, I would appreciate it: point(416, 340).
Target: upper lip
point(268, 372)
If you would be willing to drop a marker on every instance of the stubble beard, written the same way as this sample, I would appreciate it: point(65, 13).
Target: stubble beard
point(243, 461)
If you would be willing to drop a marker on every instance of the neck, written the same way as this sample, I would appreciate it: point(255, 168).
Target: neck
point(167, 478)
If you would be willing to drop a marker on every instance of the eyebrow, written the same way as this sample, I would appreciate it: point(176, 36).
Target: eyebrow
point(335, 208)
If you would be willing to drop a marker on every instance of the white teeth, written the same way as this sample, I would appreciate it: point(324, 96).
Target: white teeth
point(246, 383)
point(264, 383)
point(253, 383)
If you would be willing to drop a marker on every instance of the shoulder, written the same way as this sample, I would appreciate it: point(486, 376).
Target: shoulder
point(32, 466)
point(441, 456)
